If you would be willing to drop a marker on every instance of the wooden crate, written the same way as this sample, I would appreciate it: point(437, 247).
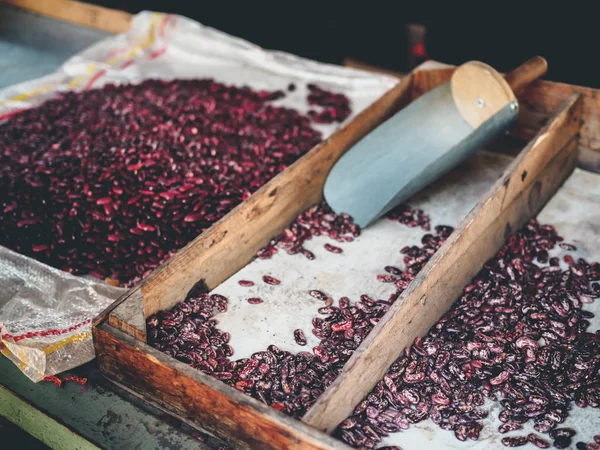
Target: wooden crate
point(559, 121)
point(528, 183)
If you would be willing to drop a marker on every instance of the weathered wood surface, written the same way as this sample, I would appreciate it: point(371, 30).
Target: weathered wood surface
point(98, 416)
point(526, 73)
point(200, 400)
point(528, 183)
point(356, 64)
point(98, 17)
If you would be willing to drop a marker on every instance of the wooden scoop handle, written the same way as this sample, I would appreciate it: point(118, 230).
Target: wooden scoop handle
point(526, 73)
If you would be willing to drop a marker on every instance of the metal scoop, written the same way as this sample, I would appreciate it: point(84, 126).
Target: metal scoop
point(427, 139)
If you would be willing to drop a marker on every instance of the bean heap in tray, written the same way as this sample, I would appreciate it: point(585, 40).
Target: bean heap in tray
point(112, 181)
point(517, 335)
point(286, 381)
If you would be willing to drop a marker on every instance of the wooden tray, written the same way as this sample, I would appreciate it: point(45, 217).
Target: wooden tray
point(200, 400)
point(569, 118)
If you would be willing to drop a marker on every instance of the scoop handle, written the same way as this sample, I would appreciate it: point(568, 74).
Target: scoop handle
point(526, 73)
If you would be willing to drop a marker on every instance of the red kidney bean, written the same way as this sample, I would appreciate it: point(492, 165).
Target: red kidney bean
point(246, 283)
point(299, 337)
point(333, 248)
point(341, 326)
point(562, 442)
point(309, 255)
point(393, 270)
point(386, 278)
point(335, 107)
point(318, 294)
point(538, 441)
point(409, 217)
point(320, 220)
point(317, 220)
point(96, 179)
point(562, 432)
point(501, 378)
point(344, 302)
point(566, 246)
point(270, 280)
point(509, 426)
point(255, 300)
point(461, 432)
point(514, 441)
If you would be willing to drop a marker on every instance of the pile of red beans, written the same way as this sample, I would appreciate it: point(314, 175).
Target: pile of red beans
point(517, 335)
point(112, 181)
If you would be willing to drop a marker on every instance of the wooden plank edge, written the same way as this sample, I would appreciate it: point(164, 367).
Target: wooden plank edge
point(229, 244)
point(200, 400)
point(85, 14)
point(103, 316)
point(128, 316)
point(541, 168)
point(356, 64)
point(537, 104)
point(389, 102)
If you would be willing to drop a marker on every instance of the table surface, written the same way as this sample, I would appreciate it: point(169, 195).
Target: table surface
point(32, 46)
point(100, 415)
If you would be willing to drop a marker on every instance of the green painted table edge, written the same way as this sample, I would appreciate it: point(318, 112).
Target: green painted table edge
point(38, 424)
point(97, 416)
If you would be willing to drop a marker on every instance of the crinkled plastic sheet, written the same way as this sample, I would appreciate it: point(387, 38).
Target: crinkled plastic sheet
point(45, 314)
point(574, 211)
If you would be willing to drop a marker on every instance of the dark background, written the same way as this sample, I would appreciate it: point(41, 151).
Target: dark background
point(499, 33)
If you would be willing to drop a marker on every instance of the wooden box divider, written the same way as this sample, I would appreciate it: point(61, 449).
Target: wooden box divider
point(526, 186)
point(206, 403)
point(569, 119)
point(233, 241)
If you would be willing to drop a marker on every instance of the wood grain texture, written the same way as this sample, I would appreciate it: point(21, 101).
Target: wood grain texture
point(200, 400)
point(232, 242)
point(530, 180)
point(526, 73)
point(544, 97)
point(479, 92)
point(128, 316)
point(98, 17)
